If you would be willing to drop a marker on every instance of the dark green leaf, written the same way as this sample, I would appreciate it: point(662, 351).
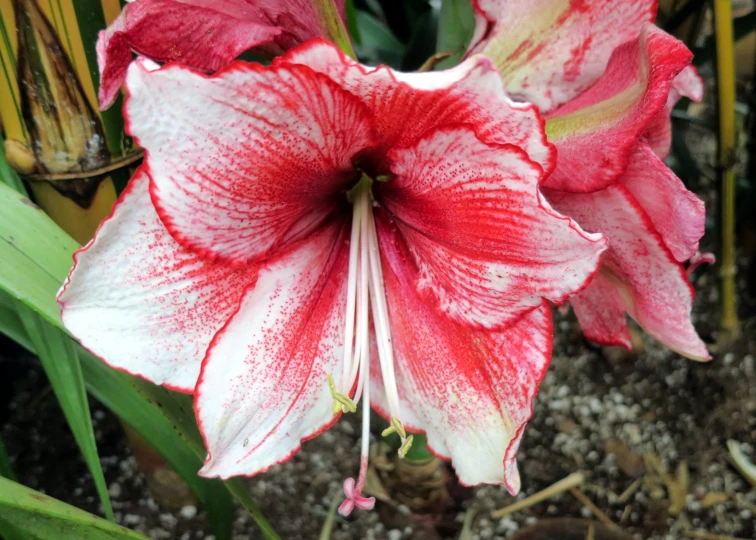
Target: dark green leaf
point(456, 24)
point(5, 465)
point(61, 364)
point(377, 44)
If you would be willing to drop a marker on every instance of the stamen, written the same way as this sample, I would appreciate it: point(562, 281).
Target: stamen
point(406, 445)
point(383, 336)
point(354, 246)
point(395, 427)
point(341, 401)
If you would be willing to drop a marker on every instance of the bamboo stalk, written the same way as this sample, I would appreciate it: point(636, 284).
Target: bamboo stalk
point(726, 169)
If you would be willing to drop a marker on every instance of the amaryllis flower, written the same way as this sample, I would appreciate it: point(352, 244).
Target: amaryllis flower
point(606, 80)
point(203, 34)
point(315, 233)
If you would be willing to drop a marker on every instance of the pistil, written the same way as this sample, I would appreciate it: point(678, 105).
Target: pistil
point(365, 290)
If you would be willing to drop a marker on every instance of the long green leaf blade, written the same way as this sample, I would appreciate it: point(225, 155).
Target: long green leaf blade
point(10, 323)
point(44, 517)
point(6, 470)
point(61, 364)
point(8, 176)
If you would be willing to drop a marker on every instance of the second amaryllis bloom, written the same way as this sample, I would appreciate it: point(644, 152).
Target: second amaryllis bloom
point(203, 34)
point(606, 80)
point(313, 234)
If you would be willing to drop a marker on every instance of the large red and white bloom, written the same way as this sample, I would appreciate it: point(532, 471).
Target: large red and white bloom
point(203, 34)
point(606, 80)
point(315, 233)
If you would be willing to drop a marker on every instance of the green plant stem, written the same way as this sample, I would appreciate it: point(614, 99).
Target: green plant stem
point(333, 27)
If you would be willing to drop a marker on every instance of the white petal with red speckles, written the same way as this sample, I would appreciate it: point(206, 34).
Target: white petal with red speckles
point(549, 51)
point(249, 160)
point(678, 215)
point(600, 310)
point(653, 285)
point(470, 391)
point(486, 247)
point(143, 303)
point(263, 386)
point(596, 132)
point(407, 105)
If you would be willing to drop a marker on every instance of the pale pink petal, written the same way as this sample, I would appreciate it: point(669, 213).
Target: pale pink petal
point(249, 160)
point(698, 259)
point(549, 51)
point(203, 34)
point(470, 391)
point(678, 215)
point(407, 105)
point(349, 488)
point(487, 248)
point(600, 310)
point(263, 387)
point(687, 84)
point(653, 285)
point(346, 507)
point(596, 132)
point(143, 303)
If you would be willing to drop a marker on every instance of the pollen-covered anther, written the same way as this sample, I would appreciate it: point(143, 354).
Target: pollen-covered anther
point(406, 445)
point(341, 402)
point(395, 427)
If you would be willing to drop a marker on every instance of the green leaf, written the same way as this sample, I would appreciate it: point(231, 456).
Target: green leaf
point(456, 24)
point(8, 176)
point(61, 364)
point(10, 323)
point(35, 256)
point(43, 517)
point(351, 17)
point(377, 44)
point(5, 466)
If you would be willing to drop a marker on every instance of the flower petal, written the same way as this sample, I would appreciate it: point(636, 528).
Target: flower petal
point(596, 132)
point(487, 247)
point(471, 391)
point(678, 215)
point(246, 161)
point(653, 285)
point(263, 387)
point(600, 310)
point(204, 34)
point(687, 84)
point(407, 105)
point(549, 51)
point(143, 303)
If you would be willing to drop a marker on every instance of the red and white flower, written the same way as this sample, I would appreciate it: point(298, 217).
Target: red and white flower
point(606, 80)
point(315, 233)
point(203, 34)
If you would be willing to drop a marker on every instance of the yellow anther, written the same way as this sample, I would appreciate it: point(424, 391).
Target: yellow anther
point(406, 446)
point(341, 402)
point(395, 427)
